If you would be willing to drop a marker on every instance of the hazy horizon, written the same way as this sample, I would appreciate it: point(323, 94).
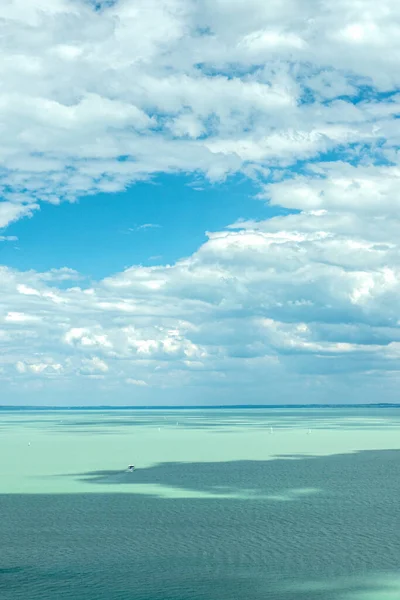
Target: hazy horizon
point(195, 406)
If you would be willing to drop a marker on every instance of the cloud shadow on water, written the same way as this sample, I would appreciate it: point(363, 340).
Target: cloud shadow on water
point(341, 544)
point(285, 472)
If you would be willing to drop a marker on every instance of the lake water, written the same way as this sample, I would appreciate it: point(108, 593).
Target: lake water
point(224, 505)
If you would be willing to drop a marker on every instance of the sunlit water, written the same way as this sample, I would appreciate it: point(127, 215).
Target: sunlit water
point(261, 504)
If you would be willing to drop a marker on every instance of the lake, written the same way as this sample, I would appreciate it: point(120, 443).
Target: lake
point(224, 504)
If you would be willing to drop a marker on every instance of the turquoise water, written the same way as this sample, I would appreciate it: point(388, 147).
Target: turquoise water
point(289, 525)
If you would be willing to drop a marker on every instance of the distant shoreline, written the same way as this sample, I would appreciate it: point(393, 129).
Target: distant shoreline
point(17, 408)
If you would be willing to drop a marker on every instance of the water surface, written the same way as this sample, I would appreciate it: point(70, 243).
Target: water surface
point(287, 505)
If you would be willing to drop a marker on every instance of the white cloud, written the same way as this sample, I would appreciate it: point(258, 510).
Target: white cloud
point(302, 305)
point(63, 274)
point(40, 369)
point(20, 317)
point(138, 382)
point(94, 365)
point(340, 187)
point(83, 337)
point(145, 226)
point(299, 96)
point(95, 100)
point(8, 238)
point(10, 211)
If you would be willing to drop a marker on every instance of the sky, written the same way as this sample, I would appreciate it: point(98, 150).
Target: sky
point(199, 202)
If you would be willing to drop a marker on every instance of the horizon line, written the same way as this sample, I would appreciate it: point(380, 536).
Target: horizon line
point(197, 406)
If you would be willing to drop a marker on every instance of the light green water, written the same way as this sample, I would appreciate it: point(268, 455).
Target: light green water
point(224, 504)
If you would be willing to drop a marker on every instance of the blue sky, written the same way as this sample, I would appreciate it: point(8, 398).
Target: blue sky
point(199, 202)
point(150, 223)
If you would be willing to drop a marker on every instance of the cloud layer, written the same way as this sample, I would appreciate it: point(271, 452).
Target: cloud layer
point(299, 96)
point(268, 311)
point(98, 95)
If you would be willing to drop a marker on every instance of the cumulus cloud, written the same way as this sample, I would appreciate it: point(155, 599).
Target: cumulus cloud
point(302, 302)
point(299, 96)
point(340, 187)
point(97, 96)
